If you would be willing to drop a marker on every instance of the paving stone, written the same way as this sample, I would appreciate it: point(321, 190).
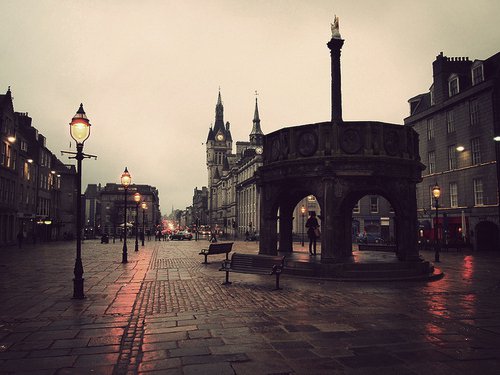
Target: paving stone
point(31, 364)
point(164, 302)
point(370, 360)
point(209, 369)
point(160, 364)
point(73, 343)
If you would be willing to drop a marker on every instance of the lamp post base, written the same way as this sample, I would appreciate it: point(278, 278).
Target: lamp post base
point(124, 254)
point(78, 289)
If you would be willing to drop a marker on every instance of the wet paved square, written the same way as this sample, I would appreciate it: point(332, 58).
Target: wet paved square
point(165, 312)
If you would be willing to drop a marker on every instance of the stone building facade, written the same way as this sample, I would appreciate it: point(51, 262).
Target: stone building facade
point(37, 195)
point(458, 120)
point(112, 203)
point(233, 197)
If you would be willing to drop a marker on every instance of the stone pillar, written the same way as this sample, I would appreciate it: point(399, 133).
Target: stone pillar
point(286, 228)
point(408, 226)
point(335, 45)
point(268, 241)
point(332, 225)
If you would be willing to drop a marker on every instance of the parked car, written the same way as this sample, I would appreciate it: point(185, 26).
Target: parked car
point(181, 235)
point(370, 238)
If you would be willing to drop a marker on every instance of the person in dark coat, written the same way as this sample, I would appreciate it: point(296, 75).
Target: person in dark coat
point(20, 238)
point(312, 226)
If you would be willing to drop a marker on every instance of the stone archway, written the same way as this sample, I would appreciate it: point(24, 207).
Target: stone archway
point(339, 164)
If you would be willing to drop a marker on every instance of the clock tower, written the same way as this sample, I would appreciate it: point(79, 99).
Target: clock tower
point(219, 144)
point(256, 136)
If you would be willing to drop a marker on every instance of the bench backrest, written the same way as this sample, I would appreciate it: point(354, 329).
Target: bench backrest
point(263, 263)
point(220, 247)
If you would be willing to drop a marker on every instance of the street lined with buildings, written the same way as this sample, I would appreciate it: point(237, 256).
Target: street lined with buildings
point(165, 312)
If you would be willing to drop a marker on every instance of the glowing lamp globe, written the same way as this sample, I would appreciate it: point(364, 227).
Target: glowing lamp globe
point(79, 127)
point(436, 191)
point(137, 197)
point(126, 179)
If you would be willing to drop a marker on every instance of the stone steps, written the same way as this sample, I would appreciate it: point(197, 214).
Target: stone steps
point(420, 270)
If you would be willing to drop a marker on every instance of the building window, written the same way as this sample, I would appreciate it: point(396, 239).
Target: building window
point(4, 154)
point(453, 194)
point(431, 196)
point(430, 129)
point(431, 157)
point(475, 151)
point(452, 157)
point(477, 74)
point(478, 192)
point(450, 121)
point(24, 146)
point(8, 160)
point(453, 86)
point(14, 159)
point(474, 112)
point(373, 205)
point(26, 171)
point(356, 210)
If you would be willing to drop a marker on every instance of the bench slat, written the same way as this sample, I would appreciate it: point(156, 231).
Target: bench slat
point(254, 264)
point(217, 248)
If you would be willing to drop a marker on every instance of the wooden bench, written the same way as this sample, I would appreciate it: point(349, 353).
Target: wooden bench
point(458, 246)
point(217, 248)
point(256, 264)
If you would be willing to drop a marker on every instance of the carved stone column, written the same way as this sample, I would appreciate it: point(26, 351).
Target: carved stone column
point(335, 46)
point(268, 240)
point(286, 226)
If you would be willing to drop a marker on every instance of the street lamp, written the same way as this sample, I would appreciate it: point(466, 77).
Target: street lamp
point(303, 212)
point(79, 129)
point(144, 207)
point(137, 199)
point(125, 180)
point(436, 193)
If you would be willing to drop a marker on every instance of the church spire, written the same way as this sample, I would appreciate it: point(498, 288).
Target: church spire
point(256, 117)
point(256, 134)
point(219, 115)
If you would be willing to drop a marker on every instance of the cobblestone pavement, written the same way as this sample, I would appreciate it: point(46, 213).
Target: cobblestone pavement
point(165, 312)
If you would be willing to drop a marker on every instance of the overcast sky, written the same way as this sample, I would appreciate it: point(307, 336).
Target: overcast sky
point(148, 71)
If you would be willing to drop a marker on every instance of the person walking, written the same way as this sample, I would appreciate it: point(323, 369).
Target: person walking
point(20, 238)
point(213, 236)
point(312, 226)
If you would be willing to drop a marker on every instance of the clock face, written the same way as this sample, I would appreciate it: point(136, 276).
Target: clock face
point(220, 137)
point(259, 150)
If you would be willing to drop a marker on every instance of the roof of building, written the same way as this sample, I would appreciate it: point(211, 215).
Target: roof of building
point(459, 66)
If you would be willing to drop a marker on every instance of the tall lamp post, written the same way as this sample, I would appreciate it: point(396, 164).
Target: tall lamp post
point(303, 212)
point(125, 180)
point(436, 193)
point(137, 200)
point(144, 207)
point(79, 129)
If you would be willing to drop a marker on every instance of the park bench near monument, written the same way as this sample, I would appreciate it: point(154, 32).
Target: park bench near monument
point(457, 246)
point(254, 264)
point(217, 248)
